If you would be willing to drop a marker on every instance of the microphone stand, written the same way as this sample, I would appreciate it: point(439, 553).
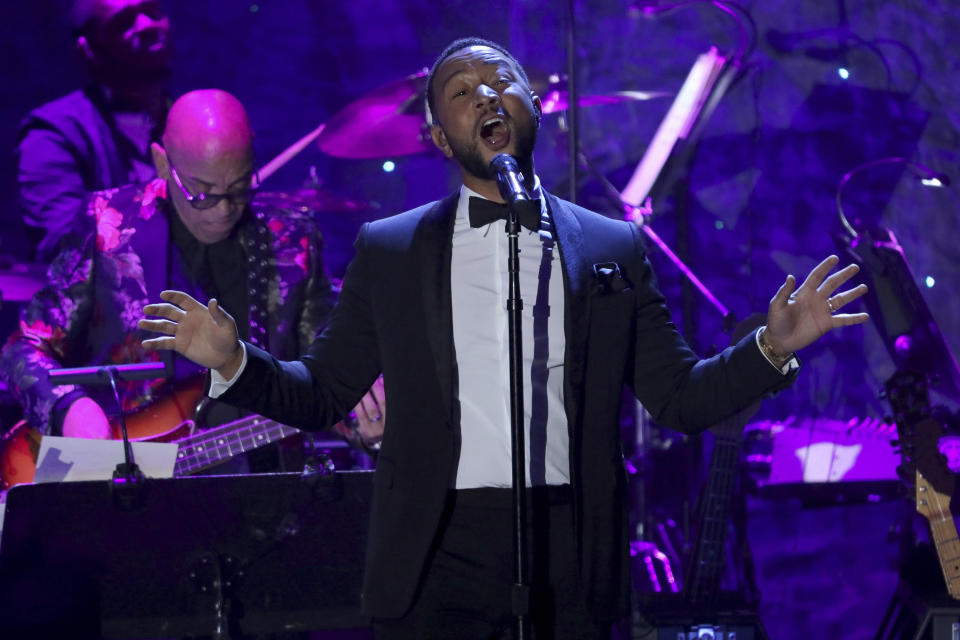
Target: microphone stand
point(512, 191)
point(573, 98)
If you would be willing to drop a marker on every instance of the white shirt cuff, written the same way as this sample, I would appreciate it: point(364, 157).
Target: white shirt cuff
point(791, 364)
point(219, 384)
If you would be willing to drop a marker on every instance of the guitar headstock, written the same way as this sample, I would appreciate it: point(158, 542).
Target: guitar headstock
point(908, 396)
point(919, 434)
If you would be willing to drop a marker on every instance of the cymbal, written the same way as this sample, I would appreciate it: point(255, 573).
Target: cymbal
point(315, 199)
point(390, 121)
point(555, 101)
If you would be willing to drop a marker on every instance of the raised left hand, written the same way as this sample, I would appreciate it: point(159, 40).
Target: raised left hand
point(800, 316)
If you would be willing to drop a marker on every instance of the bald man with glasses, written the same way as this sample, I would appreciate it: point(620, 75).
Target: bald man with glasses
point(192, 228)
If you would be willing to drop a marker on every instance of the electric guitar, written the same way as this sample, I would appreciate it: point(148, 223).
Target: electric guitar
point(167, 420)
point(705, 571)
point(704, 574)
point(925, 468)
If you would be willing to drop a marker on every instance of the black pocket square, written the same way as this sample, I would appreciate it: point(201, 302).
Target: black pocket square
point(609, 279)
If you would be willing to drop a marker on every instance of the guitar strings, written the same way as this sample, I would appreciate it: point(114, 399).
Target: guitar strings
point(210, 440)
point(201, 444)
point(187, 464)
point(944, 514)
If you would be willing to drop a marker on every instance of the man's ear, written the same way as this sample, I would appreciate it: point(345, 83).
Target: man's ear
point(160, 160)
point(538, 108)
point(440, 140)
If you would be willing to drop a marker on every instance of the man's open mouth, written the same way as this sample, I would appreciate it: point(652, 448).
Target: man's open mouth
point(494, 132)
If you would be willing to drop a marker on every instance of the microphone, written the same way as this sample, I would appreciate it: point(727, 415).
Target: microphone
point(509, 178)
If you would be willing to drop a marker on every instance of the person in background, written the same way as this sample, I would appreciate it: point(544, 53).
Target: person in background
point(193, 228)
point(97, 137)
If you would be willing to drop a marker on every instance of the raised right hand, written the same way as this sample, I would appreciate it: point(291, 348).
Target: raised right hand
point(207, 335)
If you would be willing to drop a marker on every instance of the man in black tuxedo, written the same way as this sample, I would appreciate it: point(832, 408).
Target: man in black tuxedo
point(423, 302)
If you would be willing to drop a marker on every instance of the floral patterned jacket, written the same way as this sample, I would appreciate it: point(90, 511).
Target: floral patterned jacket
point(115, 262)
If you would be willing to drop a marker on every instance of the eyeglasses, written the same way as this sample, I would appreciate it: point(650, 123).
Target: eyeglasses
point(210, 200)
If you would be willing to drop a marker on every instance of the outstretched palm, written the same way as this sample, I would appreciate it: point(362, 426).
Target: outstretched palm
point(798, 317)
point(205, 334)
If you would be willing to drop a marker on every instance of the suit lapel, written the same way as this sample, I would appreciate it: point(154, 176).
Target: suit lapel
point(434, 241)
point(576, 278)
point(576, 314)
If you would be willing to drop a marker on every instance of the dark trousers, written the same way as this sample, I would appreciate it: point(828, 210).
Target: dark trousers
point(465, 592)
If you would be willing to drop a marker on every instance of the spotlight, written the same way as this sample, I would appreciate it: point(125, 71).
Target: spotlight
point(389, 166)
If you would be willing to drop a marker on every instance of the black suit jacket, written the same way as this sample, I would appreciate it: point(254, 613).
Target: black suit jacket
point(395, 316)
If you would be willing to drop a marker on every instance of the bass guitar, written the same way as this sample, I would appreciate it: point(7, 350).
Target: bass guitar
point(170, 419)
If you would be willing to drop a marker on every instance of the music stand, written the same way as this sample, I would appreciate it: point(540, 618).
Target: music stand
point(207, 555)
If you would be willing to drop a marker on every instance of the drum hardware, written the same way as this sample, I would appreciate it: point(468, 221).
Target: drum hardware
point(311, 198)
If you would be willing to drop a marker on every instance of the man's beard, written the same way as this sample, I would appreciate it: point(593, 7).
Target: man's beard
point(468, 154)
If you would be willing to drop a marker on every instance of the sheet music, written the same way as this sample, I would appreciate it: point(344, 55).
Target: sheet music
point(68, 459)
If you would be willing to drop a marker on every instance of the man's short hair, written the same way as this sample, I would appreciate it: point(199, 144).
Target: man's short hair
point(451, 49)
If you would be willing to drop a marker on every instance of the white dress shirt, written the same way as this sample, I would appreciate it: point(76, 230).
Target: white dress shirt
point(479, 298)
point(479, 286)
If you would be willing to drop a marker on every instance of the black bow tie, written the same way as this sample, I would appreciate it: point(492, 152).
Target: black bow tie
point(483, 212)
